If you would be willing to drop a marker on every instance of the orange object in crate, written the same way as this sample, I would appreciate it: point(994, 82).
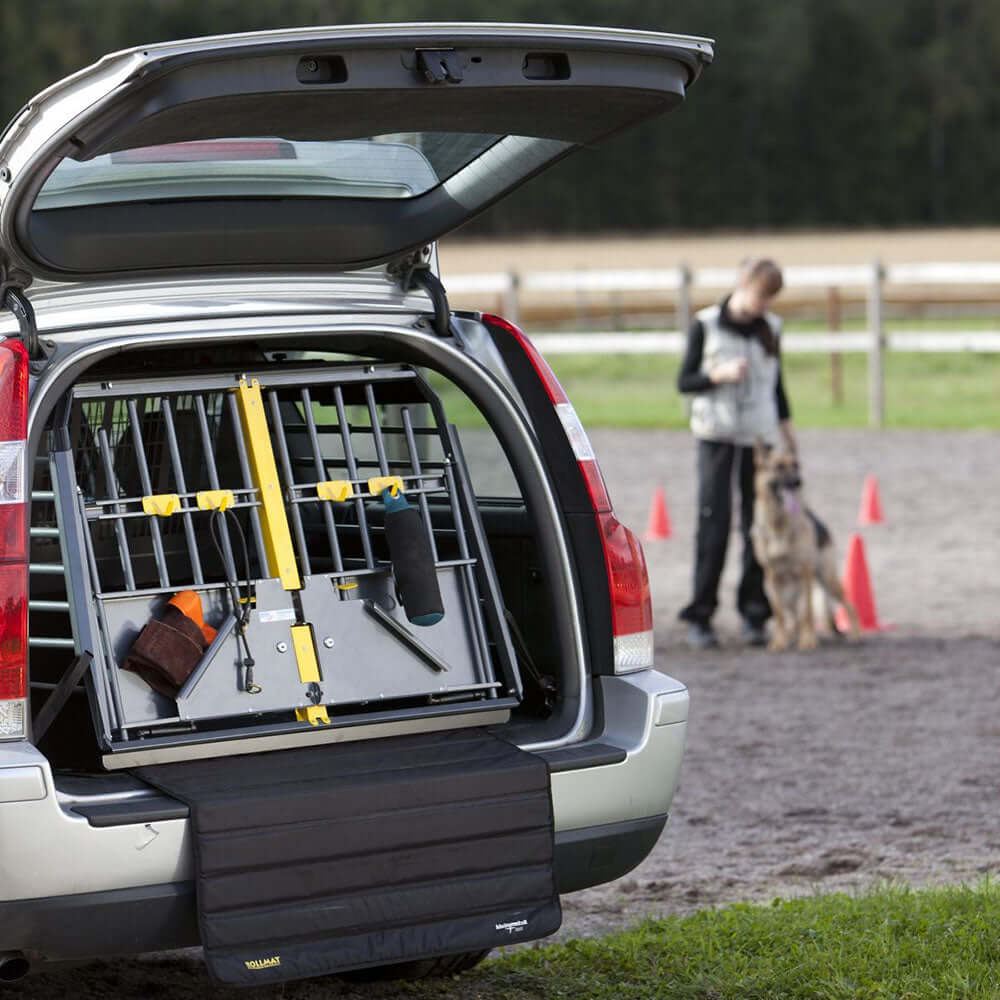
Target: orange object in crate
point(188, 603)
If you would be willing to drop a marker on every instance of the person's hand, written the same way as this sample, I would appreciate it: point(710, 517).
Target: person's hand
point(729, 371)
point(788, 437)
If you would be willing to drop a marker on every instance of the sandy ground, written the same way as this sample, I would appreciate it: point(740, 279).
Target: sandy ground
point(804, 772)
point(854, 764)
point(462, 256)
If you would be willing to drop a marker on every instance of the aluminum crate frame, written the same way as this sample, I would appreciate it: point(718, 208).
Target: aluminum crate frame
point(460, 672)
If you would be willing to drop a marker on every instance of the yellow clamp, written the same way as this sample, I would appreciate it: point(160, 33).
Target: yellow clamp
point(215, 499)
point(378, 484)
point(161, 504)
point(337, 490)
point(305, 658)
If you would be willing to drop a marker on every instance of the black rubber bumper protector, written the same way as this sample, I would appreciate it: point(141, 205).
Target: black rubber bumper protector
point(324, 859)
point(164, 917)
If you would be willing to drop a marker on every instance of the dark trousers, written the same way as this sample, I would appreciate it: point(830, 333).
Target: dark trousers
point(715, 500)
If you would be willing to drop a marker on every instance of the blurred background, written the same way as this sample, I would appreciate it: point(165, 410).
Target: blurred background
point(831, 134)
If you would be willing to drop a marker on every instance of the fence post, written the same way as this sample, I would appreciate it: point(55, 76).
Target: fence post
point(684, 298)
point(833, 323)
point(511, 301)
point(876, 351)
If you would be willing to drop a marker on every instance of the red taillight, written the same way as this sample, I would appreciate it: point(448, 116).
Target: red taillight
point(577, 436)
point(628, 580)
point(631, 602)
point(13, 548)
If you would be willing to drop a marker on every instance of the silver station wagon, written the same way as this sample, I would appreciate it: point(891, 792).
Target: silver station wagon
point(320, 643)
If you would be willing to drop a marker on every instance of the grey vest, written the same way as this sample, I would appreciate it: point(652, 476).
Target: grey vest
point(740, 412)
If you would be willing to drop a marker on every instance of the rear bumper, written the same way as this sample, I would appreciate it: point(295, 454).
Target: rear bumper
point(608, 816)
point(164, 917)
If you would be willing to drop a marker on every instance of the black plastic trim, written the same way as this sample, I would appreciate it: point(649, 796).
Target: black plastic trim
point(148, 809)
point(101, 924)
point(598, 854)
point(582, 755)
point(574, 500)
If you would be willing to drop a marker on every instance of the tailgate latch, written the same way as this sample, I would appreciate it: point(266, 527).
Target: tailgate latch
point(440, 65)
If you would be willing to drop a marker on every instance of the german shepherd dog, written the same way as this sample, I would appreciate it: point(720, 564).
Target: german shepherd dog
point(795, 550)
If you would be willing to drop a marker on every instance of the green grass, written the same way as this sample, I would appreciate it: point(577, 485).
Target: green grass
point(922, 390)
point(891, 944)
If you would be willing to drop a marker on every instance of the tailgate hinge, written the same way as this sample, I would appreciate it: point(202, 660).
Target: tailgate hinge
point(414, 271)
point(440, 65)
point(13, 282)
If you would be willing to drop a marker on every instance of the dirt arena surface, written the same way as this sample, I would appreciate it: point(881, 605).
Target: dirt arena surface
point(804, 772)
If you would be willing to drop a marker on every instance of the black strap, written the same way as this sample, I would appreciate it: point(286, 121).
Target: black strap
point(241, 607)
point(56, 701)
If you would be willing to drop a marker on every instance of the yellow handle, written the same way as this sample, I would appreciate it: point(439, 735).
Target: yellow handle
point(337, 490)
point(161, 504)
point(215, 499)
point(378, 484)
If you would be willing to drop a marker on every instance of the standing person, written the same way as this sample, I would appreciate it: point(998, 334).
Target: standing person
point(732, 370)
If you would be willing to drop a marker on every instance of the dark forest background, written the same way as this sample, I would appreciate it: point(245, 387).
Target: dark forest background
point(816, 112)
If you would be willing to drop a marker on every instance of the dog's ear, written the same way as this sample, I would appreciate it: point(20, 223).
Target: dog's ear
point(761, 453)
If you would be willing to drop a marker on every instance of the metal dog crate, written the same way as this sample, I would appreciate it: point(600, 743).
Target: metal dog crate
point(292, 463)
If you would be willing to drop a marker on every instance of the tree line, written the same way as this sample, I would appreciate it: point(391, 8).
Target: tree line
point(815, 113)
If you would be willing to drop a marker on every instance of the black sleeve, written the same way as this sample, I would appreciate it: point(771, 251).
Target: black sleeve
point(690, 378)
point(784, 411)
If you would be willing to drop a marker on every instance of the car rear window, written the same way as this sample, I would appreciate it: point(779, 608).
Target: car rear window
point(399, 165)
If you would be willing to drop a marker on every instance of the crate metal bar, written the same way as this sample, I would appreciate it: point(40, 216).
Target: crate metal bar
point(110, 667)
point(411, 447)
point(125, 595)
point(288, 378)
point(241, 455)
point(44, 532)
point(181, 483)
point(112, 482)
point(147, 485)
point(480, 644)
point(352, 470)
point(47, 569)
point(43, 494)
point(494, 597)
point(51, 642)
point(62, 606)
point(125, 501)
point(286, 468)
point(223, 633)
point(84, 623)
point(320, 470)
point(376, 430)
point(213, 480)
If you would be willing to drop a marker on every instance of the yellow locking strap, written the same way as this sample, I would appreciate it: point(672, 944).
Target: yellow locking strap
point(161, 504)
point(378, 484)
point(215, 499)
point(305, 658)
point(336, 490)
point(263, 469)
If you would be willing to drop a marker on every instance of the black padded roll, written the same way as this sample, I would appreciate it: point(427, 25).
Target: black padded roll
point(413, 566)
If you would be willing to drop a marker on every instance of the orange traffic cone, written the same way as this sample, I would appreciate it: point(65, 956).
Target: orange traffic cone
point(658, 526)
point(858, 588)
point(871, 505)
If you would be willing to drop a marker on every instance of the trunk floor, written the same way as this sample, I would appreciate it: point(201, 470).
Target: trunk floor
point(323, 859)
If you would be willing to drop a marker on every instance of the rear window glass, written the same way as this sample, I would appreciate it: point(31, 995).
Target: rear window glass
point(400, 165)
